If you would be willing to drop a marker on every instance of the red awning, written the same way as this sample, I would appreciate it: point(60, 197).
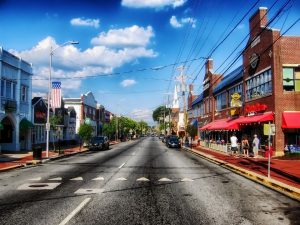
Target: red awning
point(223, 124)
point(291, 120)
point(268, 116)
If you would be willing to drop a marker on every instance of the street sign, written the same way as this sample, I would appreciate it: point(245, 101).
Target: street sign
point(47, 126)
point(269, 129)
point(87, 121)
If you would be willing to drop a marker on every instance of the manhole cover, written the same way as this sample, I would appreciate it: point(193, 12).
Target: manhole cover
point(38, 185)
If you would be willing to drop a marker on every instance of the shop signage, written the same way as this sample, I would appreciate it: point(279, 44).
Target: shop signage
point(255, 108)
point(269, 129)
point(40, 113)
point(235, 104)
point(206, 84)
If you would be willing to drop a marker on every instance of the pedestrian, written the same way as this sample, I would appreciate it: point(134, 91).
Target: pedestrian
point(255, 146)
point(234, 145)
point(245, 146)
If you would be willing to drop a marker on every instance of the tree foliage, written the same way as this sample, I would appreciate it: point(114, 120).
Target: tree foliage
point(191, 130)
point(159, 112)
point(85, 132)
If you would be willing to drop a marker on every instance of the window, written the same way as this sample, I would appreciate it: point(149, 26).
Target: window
point(291, 79)
point(23, 93)
point(2, 88)
point(259, 85)
point(221, 102)
point(8, 89)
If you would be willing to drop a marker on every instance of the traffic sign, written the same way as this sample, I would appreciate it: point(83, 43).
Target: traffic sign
point(269, 129)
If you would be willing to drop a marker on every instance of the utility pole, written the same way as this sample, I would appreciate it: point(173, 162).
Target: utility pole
point(117, 134)
point(164, 120)
point(182, 79)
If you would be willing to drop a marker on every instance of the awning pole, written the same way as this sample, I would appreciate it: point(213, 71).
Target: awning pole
point(269, 155)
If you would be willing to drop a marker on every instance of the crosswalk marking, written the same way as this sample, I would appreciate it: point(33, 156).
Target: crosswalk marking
point(86, 191)
point(35, 178)
point(99, 178)
point(77, 178)
point(164, 179)
point(142, 179)
point(121, 179)
point(56, 178)
point(187, 180)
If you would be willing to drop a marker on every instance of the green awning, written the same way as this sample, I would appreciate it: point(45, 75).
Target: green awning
point(1, 126)
point(25, 124)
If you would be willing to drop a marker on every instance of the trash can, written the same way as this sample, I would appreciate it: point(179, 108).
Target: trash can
point(37, 153)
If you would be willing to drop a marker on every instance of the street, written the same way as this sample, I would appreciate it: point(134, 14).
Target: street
point(138, 182)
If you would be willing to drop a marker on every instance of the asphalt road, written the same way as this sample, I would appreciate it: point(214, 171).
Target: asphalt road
point(138, 182)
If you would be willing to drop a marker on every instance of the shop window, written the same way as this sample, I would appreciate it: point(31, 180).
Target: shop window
point(291, 79)
point(259, 85)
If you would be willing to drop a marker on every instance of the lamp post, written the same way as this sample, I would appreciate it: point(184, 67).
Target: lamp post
point(49, 92)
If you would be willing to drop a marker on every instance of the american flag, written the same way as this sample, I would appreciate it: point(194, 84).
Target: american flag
point(56, 95)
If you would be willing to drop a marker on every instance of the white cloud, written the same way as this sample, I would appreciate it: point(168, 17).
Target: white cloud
point(130, 36)
point(152, 3)
point(128, 82)
point(174, 22)
point(85, 22)
point(142, 114)
point(180, 23)
point(70, 61)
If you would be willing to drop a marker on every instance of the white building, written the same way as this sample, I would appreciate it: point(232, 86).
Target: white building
point(15, 102)
point(85, 108)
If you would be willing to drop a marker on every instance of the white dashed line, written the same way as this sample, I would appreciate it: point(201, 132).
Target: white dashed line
point(164, 179)
point(75, 211)
point(56, 178)
point(35, 178)
point(121, 166)
point(142, 179)
point(99, 178)
point(187, 180)
point(77, 178)
point(121, 179)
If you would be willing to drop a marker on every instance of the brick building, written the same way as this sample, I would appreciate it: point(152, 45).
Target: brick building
point(268, 83)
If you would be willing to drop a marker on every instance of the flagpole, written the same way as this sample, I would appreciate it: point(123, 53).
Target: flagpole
point(49, 93)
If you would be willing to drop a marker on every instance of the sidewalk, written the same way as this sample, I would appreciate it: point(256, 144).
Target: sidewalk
point(17, 160)
point(284, 174)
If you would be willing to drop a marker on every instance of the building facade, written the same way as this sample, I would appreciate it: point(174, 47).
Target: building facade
point(15, 102)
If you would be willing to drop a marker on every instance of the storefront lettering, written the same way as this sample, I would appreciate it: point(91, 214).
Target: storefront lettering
point(254, 108)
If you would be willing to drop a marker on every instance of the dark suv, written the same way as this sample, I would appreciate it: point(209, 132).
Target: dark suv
point(99, 143)
point(173, 141)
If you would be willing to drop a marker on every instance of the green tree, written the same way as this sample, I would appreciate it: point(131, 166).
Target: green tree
point(85, 132)
point(192, 131)
point(159, 112)
point(55, 121)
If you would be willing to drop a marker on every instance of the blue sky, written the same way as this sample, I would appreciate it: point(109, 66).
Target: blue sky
point(126, 47)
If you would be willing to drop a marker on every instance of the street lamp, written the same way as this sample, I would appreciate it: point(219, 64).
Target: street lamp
point(49, 91)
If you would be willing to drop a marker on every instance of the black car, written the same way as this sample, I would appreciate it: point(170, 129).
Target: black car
point(99, 143)
point(173, 142)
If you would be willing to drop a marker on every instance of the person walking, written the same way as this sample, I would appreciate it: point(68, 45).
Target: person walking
point(245, 146)
point(234, 146)
point(255, 146)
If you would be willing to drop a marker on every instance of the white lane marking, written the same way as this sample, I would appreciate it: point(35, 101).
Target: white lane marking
point(87, 191)
point(75, 211)
point(121, 179)
point(56, 178)
point(187, 180)
point(35, 178)
point(77, 178)
point(164, 179)
point(142, 179)
point(121, 166)
point(38, 186)
point(99, 178)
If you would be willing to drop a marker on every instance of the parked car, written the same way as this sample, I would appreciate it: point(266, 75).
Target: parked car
point(173, 142)
point(161, 136)
point(99, 143)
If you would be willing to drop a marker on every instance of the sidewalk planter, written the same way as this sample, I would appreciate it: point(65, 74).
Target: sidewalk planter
point(37, 153)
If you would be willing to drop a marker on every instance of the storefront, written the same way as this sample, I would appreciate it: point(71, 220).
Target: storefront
point(291, 129)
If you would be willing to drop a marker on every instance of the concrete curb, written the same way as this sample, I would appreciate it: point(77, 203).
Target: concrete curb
point(11, 167)
point(278, 186)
